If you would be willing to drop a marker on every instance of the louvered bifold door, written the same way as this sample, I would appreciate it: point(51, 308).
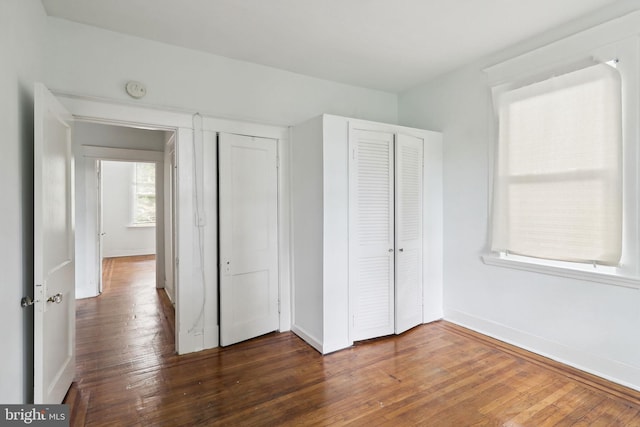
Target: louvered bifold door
point(371, 234)
point(408, 234)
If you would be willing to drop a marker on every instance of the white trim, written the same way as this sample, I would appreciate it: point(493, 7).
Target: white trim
point(540, 267)
point(112, 112)
point(142, 225)
point(585, 361)
point(100, 153)
point(130, 252)
point(122, 154)
point(565, 51)
point(369, 126)
point(308, 338)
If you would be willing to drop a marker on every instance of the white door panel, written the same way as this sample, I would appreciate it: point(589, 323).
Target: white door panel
point(248, 185)
point(371, 234)
point(408, 217)
point(54, 287)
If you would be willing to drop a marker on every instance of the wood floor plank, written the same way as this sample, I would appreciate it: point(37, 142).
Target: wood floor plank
point(434, 375)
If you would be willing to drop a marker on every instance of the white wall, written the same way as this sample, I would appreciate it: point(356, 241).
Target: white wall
point(90, 61)
point(589, 325)
point(307, 213)
point(21, 36)
point(120, 238)
point(93, 134)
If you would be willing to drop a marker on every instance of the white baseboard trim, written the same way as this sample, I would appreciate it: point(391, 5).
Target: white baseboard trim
point(189, 343)
point(307, 337)
point(211, 338)
point(611, 370)
point(128, 252)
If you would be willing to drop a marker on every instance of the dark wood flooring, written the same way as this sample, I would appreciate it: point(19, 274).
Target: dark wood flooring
point(434, 375)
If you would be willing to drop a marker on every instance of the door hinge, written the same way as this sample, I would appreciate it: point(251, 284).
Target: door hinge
point(278, 306)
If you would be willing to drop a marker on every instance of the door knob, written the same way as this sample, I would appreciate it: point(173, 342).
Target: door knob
point(390, 250)
point(401, 250)
point(57, 298)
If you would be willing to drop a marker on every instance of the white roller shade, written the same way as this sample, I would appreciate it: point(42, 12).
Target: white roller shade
point(558, 186)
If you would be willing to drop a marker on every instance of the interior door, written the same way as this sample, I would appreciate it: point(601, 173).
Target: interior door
point(54, 287)
point(248, 183)
point(408, 232)
point(371, 234)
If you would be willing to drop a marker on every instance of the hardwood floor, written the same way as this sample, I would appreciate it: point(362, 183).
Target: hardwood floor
point(434, 375)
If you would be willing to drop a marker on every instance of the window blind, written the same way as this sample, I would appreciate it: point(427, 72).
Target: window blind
point(558, 183)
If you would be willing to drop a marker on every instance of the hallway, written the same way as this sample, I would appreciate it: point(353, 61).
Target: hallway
point(122, 338)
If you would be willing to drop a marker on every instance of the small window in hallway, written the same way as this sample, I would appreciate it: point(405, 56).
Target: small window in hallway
point(144, 194)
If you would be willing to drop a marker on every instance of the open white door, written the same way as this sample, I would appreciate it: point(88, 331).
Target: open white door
point(408, 206)
point(248, 185)
point(371, 234)
point(54, 287)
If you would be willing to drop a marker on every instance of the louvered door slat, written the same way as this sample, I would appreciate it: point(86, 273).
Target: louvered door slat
point(371, 235)
point(408, 216)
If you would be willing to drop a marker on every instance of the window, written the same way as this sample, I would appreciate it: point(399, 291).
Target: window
point(565, 170)
point(558, 188)
point(144, 194)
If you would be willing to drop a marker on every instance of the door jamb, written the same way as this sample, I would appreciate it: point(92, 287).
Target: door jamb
point(99, 154)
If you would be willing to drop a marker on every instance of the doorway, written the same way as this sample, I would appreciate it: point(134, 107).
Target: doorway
point(121, 202)
point(126, 220)
point(195, 204)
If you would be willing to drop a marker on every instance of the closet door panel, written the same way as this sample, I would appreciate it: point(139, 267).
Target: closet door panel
point(371, 234)
point(408, 233)
point(248, 222)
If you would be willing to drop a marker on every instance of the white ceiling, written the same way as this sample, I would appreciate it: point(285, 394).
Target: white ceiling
point(389, 45)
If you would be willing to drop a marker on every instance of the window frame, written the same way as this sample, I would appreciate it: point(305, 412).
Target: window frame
point(542, 64)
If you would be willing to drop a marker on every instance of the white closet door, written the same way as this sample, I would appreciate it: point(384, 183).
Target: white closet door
point(408, 215)
point(248, 185)
point(371, 234)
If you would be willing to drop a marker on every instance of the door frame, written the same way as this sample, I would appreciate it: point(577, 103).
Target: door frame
point(211, 126)
point(197, 292)
point(97, 154)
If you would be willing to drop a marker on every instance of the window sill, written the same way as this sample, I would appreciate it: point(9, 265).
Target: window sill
point(149, 225)
point(541, 267)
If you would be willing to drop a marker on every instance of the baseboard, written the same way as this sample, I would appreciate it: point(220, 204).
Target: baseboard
point(611, 370)
point(307, 337)
point(78, 402)
point(128, 252)
point(189, 342)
